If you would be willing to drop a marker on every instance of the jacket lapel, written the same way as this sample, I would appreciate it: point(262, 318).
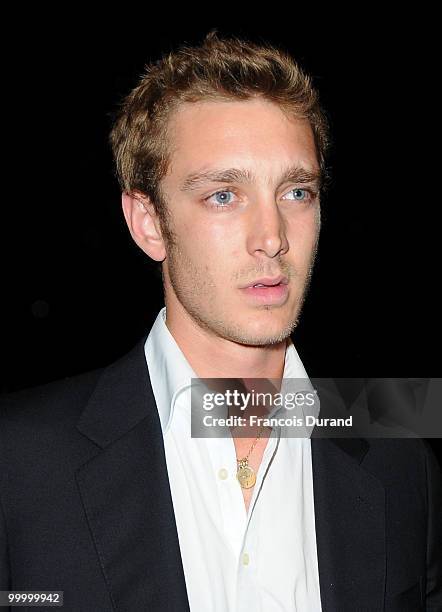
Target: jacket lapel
point(350, 526)
point(125, 491)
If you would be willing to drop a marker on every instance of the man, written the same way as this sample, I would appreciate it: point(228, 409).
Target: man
point(220, 152)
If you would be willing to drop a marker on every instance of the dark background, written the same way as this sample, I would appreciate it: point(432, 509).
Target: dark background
point(78, 293)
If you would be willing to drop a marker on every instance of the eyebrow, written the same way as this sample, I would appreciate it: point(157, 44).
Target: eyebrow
point(293, 174)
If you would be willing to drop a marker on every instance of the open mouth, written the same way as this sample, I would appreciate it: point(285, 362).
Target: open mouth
point(267, 294)
point(260, 285)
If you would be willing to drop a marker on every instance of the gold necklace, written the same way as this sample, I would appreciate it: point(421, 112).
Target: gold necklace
point(245, 474)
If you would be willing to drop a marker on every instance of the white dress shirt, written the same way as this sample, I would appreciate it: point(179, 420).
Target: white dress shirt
point(263, 560)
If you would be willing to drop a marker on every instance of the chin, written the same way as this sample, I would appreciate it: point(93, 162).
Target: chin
point(261, 340)
point(259, 333)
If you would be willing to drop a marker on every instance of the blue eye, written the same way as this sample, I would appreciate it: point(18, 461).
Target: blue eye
point(221, 199)
point(299, 194)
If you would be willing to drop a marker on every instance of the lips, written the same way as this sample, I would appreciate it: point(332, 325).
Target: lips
point(272, 292)
point(268, 282)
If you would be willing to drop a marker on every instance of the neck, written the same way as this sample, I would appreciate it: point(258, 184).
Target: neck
point(212, 356)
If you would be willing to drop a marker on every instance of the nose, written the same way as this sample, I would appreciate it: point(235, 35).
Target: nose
point(267, 234)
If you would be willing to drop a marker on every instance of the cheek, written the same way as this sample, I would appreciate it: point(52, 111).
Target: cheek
point(201, 260)
point(212, 245)
point(302, 239)
point(304, 221)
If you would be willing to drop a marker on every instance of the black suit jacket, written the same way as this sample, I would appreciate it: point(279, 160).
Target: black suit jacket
point(86, 506)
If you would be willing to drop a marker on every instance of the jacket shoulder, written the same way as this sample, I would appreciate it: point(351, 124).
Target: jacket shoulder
point(48, 402)
point(403, 459)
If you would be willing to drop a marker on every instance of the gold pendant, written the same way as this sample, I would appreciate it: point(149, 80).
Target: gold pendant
point(246, 475)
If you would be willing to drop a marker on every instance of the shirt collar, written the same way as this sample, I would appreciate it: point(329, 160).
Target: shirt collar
point(170, 372)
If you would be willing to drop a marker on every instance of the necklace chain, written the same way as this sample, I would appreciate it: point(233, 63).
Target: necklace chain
point(253, 446)
point(245, 474)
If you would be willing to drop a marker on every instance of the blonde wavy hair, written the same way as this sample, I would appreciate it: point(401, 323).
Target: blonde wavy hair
point(220, 68)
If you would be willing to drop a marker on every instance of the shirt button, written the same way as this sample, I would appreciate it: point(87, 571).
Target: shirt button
point(245, 559)
point(223, 474)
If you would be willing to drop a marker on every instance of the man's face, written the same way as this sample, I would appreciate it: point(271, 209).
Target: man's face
point(231, 231)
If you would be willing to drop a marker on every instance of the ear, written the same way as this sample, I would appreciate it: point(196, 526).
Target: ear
point(144, 224)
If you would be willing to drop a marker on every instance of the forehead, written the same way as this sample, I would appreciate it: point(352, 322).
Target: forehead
point(251, 132)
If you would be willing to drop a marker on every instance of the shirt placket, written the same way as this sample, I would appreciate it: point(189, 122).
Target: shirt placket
point(247, 590)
